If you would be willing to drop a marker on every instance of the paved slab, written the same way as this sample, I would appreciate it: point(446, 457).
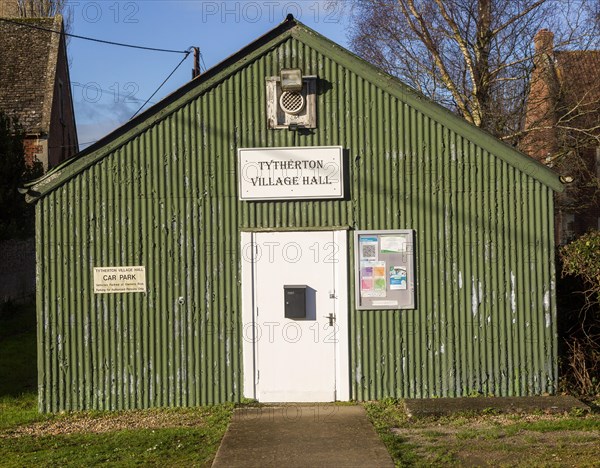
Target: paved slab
point(301, 436)
point(447, 406)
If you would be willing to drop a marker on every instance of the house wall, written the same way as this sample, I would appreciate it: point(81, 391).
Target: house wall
point(485, 318)
point(564, 83)
point(36, 148)
point(541, 142)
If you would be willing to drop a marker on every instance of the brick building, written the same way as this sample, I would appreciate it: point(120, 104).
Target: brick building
point(35, 85)
point(563, 119)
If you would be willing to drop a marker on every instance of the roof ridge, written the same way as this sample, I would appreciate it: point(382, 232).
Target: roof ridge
point(21, 19)
point(289, 28)
point(591, 51)
point(52, 71)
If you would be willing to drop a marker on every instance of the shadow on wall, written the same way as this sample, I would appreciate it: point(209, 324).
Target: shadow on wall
point(17, 269)
point(18, 373)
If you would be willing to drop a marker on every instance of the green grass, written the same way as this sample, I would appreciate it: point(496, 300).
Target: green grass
point(16, 411)
point(18, 374)
point(170, 446)
point(503, 440)
point(181, 437)
point(385, 415)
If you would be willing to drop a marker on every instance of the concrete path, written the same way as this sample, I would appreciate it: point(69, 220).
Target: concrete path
point(301, 436)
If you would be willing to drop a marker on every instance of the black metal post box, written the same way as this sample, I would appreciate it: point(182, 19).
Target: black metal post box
point(295, 301)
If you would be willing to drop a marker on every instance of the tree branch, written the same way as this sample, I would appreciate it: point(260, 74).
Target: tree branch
point(423, 33)
point(518, 16)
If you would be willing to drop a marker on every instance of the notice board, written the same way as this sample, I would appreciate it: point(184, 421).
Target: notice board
point(384, 269)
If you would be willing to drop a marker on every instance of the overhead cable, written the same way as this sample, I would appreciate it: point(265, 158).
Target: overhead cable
point(161, 85)
point(101, 41)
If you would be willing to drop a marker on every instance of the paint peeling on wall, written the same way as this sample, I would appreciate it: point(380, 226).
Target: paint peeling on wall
point(181, 219)
point(513, 293)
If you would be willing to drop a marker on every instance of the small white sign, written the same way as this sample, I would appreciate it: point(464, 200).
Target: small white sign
point(385, 303)
point(121, 279)
point(290, 173)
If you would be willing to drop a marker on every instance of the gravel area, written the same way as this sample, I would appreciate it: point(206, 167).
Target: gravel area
point(107, 422)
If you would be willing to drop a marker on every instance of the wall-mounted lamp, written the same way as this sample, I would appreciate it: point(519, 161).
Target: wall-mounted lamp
point(294, 127)
point(566, 179)
point(291, 79)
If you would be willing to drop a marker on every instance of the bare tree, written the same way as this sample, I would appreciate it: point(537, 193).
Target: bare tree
point(524, 70)
point(40, 8)
point(472, 56)
point(45, 8)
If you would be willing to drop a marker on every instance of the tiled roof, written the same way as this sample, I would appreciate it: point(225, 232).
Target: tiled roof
point(578, 73)
point(28, 59)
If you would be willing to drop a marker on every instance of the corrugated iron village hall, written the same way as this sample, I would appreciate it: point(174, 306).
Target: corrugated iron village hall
point(294, 225)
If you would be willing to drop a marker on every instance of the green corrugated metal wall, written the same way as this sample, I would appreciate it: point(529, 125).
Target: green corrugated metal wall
point(167, 199)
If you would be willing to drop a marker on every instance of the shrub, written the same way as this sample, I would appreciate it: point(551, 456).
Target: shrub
point(581, 338)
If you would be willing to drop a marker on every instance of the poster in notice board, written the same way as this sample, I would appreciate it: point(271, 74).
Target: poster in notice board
point(384, 269)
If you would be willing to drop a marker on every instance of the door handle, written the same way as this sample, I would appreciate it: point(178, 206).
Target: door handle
point(331, 318)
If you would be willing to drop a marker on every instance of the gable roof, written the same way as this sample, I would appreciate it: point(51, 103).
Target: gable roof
point(290, 28)
point(29, 59)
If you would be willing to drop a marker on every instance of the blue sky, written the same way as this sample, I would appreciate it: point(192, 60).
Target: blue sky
point(110, 83)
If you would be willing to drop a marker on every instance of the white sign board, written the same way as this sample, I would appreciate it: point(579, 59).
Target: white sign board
point(290, 173)
point(121, 279)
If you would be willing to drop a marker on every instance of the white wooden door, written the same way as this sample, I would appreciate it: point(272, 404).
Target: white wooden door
point(296, 358)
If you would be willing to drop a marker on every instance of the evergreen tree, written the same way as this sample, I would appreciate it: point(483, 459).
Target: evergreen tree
point(16, 216)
